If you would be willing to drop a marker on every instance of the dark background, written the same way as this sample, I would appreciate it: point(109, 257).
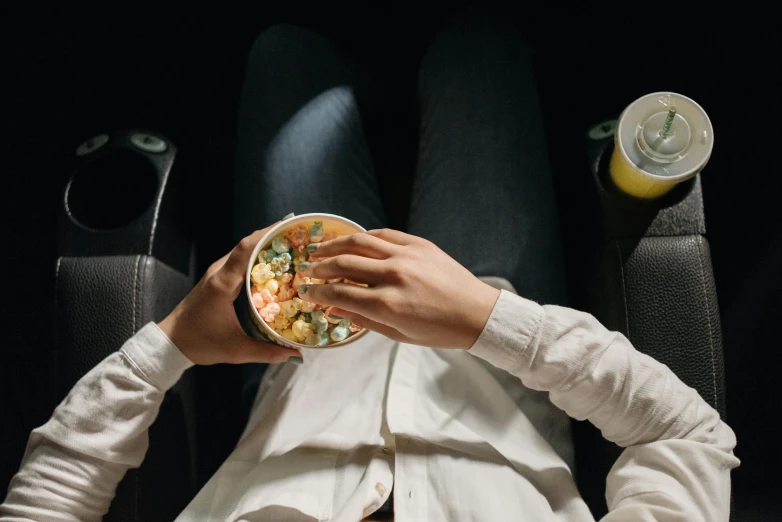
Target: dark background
point(70, 73)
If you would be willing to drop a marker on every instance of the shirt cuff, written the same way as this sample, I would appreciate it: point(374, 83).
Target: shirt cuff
point(513, 323)
point(158, 359)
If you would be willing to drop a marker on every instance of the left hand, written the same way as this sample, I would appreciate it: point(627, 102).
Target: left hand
point(204, 325)
point(417, 293)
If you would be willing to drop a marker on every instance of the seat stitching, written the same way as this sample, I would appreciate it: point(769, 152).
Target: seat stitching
point(133, 297)
point(624, 290)
point(57, 280)
point(136, 472)
point(708, 318)
point(156, 214)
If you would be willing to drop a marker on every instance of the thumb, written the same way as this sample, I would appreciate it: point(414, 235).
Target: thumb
point(248, 350)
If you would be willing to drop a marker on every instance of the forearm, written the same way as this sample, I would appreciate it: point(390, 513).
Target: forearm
point(672, 435)
point(74, 462)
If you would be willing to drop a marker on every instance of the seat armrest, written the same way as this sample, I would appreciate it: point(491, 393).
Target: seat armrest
point(649, 275)
point(101, 302)
point(125, 260)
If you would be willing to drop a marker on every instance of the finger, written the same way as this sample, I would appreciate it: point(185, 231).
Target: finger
point(370, 324)
point(248, 350)
point(343, 295)
point(360, 244)
point(235, 267)
point(393, 236)
point(348, 266)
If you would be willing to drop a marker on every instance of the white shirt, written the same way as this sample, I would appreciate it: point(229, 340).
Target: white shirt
point(459, 435)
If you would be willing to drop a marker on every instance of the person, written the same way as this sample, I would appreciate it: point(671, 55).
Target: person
point(456, 404)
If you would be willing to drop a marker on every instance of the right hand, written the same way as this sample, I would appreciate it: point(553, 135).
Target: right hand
point(417, 293)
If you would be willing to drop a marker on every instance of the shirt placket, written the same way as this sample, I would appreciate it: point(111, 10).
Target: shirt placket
point(410, 477)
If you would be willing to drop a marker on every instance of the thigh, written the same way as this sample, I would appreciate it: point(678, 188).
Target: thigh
point(300, 143)
point(483, 190)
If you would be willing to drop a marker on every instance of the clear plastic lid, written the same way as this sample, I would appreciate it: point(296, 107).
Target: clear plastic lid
point(666, 135)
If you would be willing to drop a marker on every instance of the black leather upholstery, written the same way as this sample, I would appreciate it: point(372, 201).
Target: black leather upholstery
point(672, 311)
point(101, 302)
point(659, 292)
point(650, 276)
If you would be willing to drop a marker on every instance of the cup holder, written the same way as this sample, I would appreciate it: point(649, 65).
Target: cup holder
point(112, 190)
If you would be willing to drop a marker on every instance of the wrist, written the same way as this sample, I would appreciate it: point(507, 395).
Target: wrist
point(169, 327)
point(156, 357)
point(477, 315)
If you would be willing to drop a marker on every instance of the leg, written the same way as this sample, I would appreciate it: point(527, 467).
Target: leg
point(301, 146)
point(483, 189)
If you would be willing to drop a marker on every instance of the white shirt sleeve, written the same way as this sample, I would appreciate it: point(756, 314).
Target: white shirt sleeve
point(678, 453)
point(73, 463)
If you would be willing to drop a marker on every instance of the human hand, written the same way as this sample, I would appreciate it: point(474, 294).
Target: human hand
point(417, 293)
point(204, 325)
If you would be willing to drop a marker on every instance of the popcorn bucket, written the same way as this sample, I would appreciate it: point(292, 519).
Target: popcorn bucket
point(253, 323)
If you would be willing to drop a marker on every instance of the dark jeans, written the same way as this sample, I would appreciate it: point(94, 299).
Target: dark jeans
point(482, 191)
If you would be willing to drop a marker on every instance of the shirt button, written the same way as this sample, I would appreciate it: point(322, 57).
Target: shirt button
point(388, 451)
point(380, 488)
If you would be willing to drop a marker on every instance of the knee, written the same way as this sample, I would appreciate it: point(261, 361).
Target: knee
point(485, 31)
point(277, 42)
point(475, 44)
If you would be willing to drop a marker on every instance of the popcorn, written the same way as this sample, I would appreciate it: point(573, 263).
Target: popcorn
point(316, 232)
point(297, 261)
point(264, 256)
point(280, 264)
point(269, 312)
point(299, 236)
point(281, 244)
point(317, 340)
point(302, 329)
point(261, 273)
point(267, 296)
point(282, 322)
point(288, 334)
point(258, 301)
point(272, 286)
point(330, 318)
point(299, 280)
point(318, 319)
point(339, 334)
point(284, 278)
point(275, 283)
point(286, 293)
point(291, 307)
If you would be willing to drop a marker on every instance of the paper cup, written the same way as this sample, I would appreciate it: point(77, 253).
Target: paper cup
point(331, 222)
point(645, 166)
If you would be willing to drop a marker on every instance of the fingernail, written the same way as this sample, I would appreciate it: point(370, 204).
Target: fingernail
point(312, 247)
point(296, 360)
point(304, 265)
point(303, 289)
point(335, 316)
point(288, 216)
